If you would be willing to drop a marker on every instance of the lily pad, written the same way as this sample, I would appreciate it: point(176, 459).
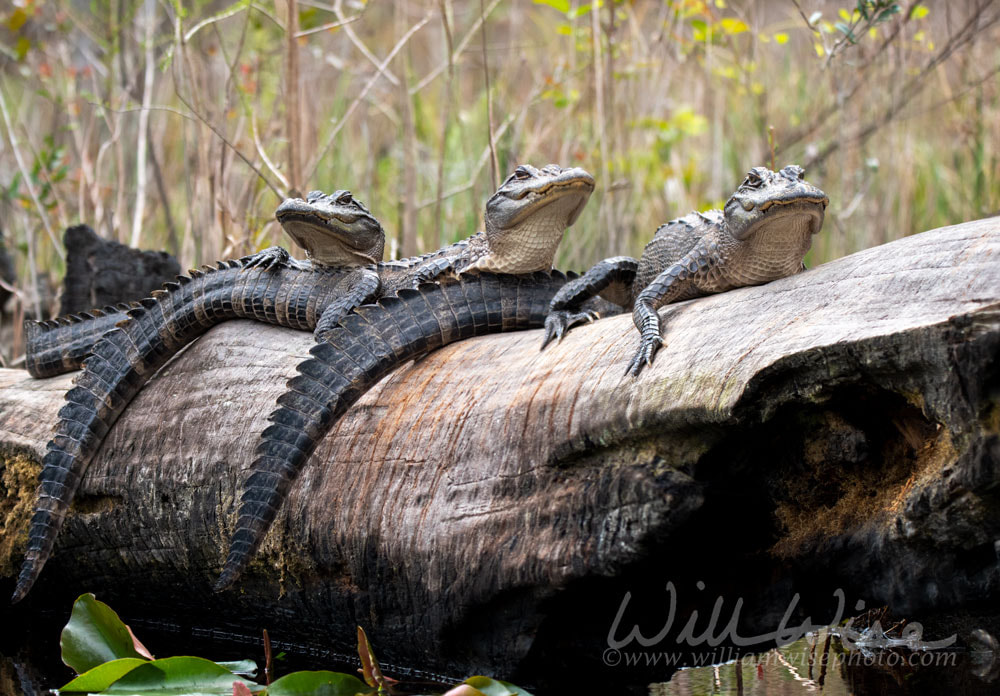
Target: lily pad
point(101, 677)
point(95, 635)
point(178, 676)
point(322, 683)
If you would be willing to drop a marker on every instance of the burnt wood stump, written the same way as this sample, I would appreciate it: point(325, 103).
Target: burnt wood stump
point(101, 272)
point(487, 507)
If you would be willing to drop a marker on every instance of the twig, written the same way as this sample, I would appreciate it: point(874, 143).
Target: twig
point(318, 157)
point(409, 244)
point(263, 155)
point(172, 239)
point(329, 26)
point(914, 85)
point(26, 177)
point(453, 58)
point(480, 163)
point(360, 45)
point(149, 11)
point(445, 117)
point(602, 140)
point(225, 14)
point(489, 101)
point(804, 18)
point(293, 114)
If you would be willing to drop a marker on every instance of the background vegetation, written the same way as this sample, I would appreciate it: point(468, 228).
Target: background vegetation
point(181, 124)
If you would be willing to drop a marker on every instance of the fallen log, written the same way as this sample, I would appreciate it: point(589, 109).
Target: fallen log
point(487, 507)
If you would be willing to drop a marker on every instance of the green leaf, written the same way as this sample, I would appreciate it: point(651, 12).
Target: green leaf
point(178, 676)
point(94, 635)
point(101, 677)
point(321, 683)
point(494, 687)
point(846, 30)
point(887, 13)
point(560, 5)
point(863, 8)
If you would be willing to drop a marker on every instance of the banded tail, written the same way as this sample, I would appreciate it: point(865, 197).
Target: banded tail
point(56, 346)
point(352, 358)
point(125, 358)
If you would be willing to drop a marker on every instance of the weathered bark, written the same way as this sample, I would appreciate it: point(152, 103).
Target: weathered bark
point(486, 507)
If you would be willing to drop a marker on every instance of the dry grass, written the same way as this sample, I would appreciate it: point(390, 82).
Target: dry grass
point(180, 130)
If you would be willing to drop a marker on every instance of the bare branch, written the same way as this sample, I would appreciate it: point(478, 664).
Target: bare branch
point(453, 58)
point(311, 169)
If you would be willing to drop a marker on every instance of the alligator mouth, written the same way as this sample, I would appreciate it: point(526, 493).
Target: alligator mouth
point(553, 191)
point(331, 238)
point(801, 211)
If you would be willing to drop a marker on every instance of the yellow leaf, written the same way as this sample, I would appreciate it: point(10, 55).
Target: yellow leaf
point(781, 37)
point(730, 25)
point(930, 45)
point(721, 4)
point(844, 16)
point(919, 12)
point(764, 38)
point(919, 36)
point(757, 88)
point(873, 33)
point(17, 19)
point(819, 49)
point(564, 29)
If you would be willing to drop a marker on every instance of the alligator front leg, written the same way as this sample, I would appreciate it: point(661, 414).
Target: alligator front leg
point(565, 310)
point(269, 258)
point(362, 287)
point(675, 283)
point(432, 270)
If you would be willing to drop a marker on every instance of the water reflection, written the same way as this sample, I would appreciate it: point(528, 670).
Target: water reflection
point(819, 664)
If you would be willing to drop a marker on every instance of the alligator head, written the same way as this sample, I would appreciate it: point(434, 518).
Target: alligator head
point(526, 217)
point(334, 230)
point(766, 197)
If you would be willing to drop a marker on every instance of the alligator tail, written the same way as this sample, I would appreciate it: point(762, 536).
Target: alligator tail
point(59, 345)
point(120, 363)
point(353, 357)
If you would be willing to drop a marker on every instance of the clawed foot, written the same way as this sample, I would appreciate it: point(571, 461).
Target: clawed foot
point(644, 356)
point(559, 321)
point(272, 257)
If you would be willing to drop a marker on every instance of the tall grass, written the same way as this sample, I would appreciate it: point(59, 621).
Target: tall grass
point(667, 103)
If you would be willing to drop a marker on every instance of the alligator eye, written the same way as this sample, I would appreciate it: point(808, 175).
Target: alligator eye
point(753, 180)
point(794, 172)
point(522, 173)
point(345, 198)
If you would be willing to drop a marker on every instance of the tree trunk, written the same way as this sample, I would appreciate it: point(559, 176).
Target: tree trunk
point(487, 507)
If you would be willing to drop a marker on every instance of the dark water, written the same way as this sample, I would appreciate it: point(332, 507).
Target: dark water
point(30, 664)
point(804, 667)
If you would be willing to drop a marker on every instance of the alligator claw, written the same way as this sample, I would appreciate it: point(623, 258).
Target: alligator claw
point(644, 356)
point(270, 258)
point(559, 321)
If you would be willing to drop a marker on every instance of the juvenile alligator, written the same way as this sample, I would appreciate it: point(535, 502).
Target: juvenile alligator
point(525, 220)
point(335, 230)
point(353, 357)
point(762, 234)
